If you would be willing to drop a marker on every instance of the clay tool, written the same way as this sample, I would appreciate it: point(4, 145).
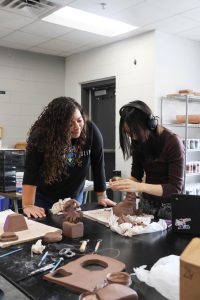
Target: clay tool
point(43, 258)
point(57, 264)
point(97, 246)
point(11, 252)
point(40, 270)
point(83, 245)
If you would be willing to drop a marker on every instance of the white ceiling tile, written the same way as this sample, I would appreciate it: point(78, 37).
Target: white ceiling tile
point(59, 45)
point(112, 6)
point(13, 21)
point(4, 31)
point(44, 51)
point(174, 6)
point(141, 14)
point(193, 34)
point(82, 37)
point(28, 32)
point(25, 38)
point(174, 25)
point(46, 29)
point(193, 14)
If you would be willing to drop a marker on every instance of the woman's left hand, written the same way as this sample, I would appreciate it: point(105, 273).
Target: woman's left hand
point(106, 202)
point(126, 185)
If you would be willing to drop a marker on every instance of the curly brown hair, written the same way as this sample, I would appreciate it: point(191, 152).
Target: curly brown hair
point(50, 135)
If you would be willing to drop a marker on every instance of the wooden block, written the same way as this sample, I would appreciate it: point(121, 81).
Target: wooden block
point(73, 230)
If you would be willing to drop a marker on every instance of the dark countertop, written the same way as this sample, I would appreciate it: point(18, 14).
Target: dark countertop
point(144, 249)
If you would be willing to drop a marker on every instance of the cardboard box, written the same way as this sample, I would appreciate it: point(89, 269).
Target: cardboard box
point(190, 271)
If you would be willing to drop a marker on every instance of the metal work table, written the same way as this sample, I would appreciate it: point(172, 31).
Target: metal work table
point(144, 249)
point(14, 198)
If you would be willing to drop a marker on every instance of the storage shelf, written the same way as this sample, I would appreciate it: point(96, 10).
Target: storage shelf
point(192, 174)
point(191, 98)
point(193, 150)
point(186, 130)
point(181, 125)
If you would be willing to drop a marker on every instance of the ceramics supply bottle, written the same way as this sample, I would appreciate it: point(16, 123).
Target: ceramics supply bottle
point(117, 196)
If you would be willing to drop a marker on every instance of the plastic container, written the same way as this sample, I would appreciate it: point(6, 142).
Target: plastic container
point(4, 203)
point(116, 175)
point(19, 179)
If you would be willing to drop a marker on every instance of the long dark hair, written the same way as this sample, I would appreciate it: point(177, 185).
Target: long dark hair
point(148, 142)
point(50, 134)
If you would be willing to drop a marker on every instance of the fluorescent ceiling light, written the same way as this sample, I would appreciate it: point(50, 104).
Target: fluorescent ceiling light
point(79, 19)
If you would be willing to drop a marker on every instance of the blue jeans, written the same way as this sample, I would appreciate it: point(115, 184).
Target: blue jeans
point(47, 203)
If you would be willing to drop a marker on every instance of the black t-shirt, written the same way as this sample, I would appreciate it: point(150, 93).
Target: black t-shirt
point(92, 155)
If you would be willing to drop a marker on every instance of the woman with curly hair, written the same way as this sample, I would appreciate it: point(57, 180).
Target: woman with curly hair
point(60, 149)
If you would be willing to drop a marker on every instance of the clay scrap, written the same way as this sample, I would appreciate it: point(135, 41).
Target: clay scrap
point(52, 237)
point(8, 236)
point(116, 292)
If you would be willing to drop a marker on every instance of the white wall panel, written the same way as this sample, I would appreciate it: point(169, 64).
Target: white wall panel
point(31, 81)
point(116, 60)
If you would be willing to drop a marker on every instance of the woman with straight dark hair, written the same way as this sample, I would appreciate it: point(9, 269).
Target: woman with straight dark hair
point(157, 159)
point(61, 147)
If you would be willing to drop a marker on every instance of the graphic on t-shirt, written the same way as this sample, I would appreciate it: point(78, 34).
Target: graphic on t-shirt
point(71, 156)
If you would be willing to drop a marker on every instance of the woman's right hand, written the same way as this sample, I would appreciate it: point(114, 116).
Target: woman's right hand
point(34, 211)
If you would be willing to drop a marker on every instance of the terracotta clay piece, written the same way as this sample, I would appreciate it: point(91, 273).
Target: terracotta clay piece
point(71, 212)
point(8, 236)
point(127, 206)
point(89, 296)
point(117, 292)
point(119, 277)
point(52, 237)
point(73, 230)
point(85, 273)
point(14, 223)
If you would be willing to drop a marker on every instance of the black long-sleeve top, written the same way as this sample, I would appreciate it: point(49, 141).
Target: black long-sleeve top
point(70, 186)
point(166, 170)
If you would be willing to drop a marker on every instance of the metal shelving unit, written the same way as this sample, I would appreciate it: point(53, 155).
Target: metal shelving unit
point(171, 106)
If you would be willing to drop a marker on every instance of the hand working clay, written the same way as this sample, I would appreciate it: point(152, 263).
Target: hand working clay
point(71, 212)
point(127, 206)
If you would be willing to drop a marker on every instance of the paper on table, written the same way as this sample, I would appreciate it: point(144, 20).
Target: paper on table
point(164, 276)
point(101, 215)
point(35, 230)
point(105, 216)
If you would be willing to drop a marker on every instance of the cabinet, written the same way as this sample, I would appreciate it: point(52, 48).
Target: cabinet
point(177, 114)
point(11, 161)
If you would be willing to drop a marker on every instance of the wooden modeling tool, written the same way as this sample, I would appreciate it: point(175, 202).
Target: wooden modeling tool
point(97, 246)
point(83, 246)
